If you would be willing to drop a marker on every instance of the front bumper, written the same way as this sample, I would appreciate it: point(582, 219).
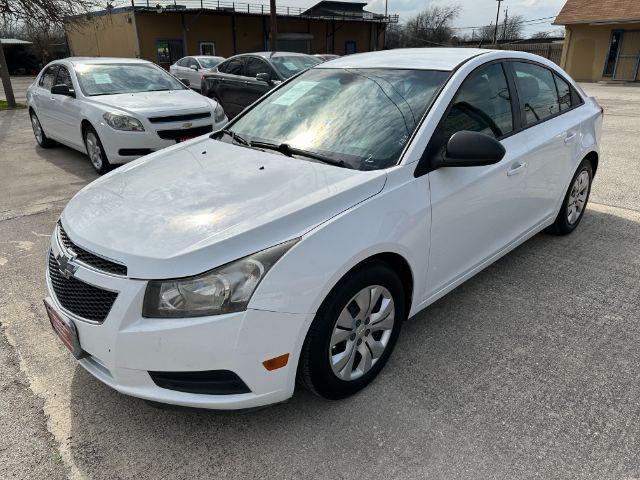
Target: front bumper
point(123, 349)
point(116, 143)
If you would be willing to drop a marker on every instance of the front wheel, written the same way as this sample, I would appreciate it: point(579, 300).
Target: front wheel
point(354, 332)
point(575, 200)
point(95, 151)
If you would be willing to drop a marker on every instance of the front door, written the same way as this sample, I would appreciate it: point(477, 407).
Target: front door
point(67, 125)
point(476, 211)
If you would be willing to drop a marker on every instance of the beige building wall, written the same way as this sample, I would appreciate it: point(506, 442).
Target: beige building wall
point(110, 35)
point(586, 48)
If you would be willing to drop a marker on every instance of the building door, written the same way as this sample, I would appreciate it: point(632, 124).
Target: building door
point(628, 56)
point(169, 52)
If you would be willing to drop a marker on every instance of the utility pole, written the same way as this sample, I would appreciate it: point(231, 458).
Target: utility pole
point(506, 20)
point(6, 79)
point(273, 33)
point(386, 7)
point(495, 30)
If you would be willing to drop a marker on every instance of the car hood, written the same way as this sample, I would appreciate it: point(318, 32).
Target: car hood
point(153, 102)
point(194, 206)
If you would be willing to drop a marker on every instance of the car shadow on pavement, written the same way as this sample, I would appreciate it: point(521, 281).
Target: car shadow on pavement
point(529, 369)
point(67, 159)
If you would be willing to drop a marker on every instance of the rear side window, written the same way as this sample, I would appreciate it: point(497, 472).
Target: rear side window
point(564, 93)
point(483, 104)
point(46, 80)
point(537, 91)
point(232, 66)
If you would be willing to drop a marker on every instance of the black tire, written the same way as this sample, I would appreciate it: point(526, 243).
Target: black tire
point(91, 138)
point(41, 137)
point(314, 370)
point(562, 224)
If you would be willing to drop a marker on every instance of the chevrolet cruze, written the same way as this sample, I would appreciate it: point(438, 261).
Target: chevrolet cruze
point(293, 243)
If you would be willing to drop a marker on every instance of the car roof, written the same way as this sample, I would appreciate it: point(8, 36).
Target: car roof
point(101, 60)
point(410, 58)
point(206, 56)
point(268, 55)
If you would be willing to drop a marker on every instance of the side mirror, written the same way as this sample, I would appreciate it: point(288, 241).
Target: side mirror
point(185, 82)
point(194, 68)
point(264, 77)
point(62, 90)
point(470, 149)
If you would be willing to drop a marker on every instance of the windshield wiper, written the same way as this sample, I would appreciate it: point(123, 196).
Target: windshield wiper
point(233, 135)
point(289, 151)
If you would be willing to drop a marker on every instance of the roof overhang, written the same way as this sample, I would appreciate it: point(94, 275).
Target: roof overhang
point(608, 21)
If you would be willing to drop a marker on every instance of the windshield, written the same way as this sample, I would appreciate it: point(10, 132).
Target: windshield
point(209, 62)
point(361, 117)
point(288, 66)
point(113, 78)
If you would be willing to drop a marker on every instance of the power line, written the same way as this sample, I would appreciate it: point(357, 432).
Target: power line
point(522, 22)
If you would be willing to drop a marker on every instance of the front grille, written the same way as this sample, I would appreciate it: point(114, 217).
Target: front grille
point(180, 118)
point(80, 298)
point(184, 132)
point(89, 258)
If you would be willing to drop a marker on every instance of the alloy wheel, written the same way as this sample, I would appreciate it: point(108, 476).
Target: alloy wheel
point(362, 332)
point(578, 197)
point(37, 129)
point(93, 149)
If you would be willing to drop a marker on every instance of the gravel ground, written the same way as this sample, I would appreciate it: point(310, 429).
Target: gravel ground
point(528, 370)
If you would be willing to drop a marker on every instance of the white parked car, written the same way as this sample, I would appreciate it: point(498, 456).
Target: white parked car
point(295, 242)
point(191, 68)
point(116, 109)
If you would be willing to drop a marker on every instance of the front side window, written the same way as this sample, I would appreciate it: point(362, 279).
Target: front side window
point(111, 79)
point(64, 78)
point(361, 117)
point(537, 91)
point(46, 80)
point(254, 66)
point(483, 104)
point(232, 66)
point(288, 66)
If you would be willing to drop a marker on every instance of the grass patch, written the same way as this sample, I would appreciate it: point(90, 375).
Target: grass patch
point(5, 106)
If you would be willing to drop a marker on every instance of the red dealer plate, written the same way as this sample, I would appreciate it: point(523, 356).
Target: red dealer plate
point(65, 329)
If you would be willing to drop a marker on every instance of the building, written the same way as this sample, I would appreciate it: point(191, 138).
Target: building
point(602, 39)
point(166, 32)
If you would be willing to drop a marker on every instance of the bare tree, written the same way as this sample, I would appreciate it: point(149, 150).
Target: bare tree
point(511, 28)
point(430, 27)
point(35, 12)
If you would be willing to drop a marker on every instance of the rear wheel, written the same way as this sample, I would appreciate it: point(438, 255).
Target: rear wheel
point(38, 132)
point(575, 200)
point(95, 151)
point(354, 332)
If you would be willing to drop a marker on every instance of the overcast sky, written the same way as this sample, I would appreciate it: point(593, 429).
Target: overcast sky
point(474, 12)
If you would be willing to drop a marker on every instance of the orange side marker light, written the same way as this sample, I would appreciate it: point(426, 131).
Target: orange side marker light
point(277, 362)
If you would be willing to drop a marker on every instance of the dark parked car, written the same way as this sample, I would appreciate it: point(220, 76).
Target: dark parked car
point(241, 80)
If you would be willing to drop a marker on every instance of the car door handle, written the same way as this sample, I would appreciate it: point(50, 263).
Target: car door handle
point(516, 169)
point(570, 136)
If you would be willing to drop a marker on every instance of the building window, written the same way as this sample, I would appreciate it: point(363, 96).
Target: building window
point(169, 51)
point(207, 48)
point(612, 56)
point(349, 47)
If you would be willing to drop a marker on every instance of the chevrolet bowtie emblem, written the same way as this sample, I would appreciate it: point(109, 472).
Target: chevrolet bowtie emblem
point(187, 125)
point(66, 265)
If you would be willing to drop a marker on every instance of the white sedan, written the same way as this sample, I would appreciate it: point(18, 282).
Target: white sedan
point(116, 109)
point(191, 68)
point(295, 242)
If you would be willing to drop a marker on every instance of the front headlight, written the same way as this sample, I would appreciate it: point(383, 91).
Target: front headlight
point(119, 121)
point(222, 290)
point(218, 114)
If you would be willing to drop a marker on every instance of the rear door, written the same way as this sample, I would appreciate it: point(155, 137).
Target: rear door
point(44, 99)
point(477, 211)
point(551, 136)
point(231, 86)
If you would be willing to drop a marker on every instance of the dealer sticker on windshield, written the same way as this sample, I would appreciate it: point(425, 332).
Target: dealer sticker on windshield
point(101, 78)
point(295, 92)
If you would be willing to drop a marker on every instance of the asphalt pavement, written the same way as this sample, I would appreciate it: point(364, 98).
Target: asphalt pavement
point(528, 370)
